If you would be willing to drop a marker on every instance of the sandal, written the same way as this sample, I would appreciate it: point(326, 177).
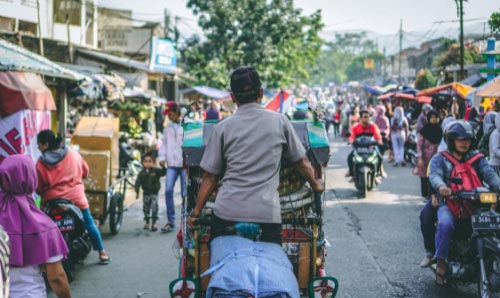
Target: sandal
point(441, 279)
point(154, 228)
point(104, 260)
point(167, 228)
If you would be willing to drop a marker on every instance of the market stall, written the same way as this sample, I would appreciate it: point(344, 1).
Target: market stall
point(25, 109)
point(442, 95)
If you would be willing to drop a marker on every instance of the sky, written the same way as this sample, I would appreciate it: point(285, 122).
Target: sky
point(381, 16)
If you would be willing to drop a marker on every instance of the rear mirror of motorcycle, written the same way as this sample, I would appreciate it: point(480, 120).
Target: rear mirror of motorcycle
point(184, 287)
point(325, 286)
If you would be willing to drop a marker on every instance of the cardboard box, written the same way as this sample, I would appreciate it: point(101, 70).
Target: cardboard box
point(99, 169)
point(97, 202)
point(98, 133)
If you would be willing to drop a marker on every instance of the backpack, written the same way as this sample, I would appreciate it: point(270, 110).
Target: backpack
point(463, 177)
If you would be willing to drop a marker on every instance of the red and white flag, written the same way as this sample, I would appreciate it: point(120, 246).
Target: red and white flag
point(280, 103)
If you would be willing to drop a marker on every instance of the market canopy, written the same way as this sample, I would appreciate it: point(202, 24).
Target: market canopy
point(396, 95)
point(424, 99)
point(373, 90)
point(460, 89)
point(207, 91)
point(493, 90)
point(23, 90)
point(15, 58)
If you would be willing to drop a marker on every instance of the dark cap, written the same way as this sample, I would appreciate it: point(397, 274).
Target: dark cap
point(245, 83)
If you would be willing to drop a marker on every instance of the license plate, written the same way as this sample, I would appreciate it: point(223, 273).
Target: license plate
point(364, 150)
point(485, 222)
point(66, 224)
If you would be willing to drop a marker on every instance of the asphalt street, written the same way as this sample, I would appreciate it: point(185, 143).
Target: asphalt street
point(376, 244)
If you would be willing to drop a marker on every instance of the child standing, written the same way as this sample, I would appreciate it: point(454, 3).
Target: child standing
point(149, 180)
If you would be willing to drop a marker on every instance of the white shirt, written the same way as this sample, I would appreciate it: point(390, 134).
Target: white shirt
point(27, 282)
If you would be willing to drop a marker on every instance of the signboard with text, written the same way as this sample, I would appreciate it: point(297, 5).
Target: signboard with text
point(163, 57)
point(18, 132)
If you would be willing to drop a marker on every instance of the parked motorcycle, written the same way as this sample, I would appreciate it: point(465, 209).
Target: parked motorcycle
point(474, 255)
point(129, 161)
point(365, 163)
point(69, 220)
point(410, 149)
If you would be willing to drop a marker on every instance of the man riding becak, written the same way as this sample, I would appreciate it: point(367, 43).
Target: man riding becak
point(246, 149)
point(459, 168)
point(366, 127)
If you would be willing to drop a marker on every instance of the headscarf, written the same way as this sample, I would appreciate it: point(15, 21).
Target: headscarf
point(474, 115)
point(398, 116)
point(34, 237)
point(432, 132)
point(489, 122)
point(381, 120)
point(446, 122)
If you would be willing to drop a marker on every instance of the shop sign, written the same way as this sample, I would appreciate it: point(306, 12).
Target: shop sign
point(163, 56)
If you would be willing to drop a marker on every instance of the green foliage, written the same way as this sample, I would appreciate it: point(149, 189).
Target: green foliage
point(494, 22)
point(344, 59)
point(356, 71)
point(425, 79)
point(452, 56)
point(268, 35)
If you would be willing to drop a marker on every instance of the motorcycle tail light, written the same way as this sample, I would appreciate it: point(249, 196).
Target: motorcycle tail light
point(57, 210)
point(58, 217)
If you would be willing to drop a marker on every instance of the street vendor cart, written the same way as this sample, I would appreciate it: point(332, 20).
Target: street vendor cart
point(303, 237)
point(97, 140)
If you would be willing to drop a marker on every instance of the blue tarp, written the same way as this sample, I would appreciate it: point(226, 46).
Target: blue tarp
point(207, 91)
point(243, 266)
point(409, 90)
point(372, 90)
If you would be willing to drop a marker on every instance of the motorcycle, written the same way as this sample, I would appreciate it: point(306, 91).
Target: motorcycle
point(69, 220)
point(365, 163)
point(474, 255)
point(410, 149)
point(129, 161)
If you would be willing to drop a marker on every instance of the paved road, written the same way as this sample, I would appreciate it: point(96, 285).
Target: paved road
point(376, 245)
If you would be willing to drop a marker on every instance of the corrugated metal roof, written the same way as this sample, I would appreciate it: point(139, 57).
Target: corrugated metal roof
point(126, 62)
point(15, 58)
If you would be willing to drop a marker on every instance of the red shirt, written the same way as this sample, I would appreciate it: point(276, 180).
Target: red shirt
point(359, 129)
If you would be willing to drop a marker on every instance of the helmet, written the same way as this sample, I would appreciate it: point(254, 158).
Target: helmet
point(458, 130)
point(426, 107)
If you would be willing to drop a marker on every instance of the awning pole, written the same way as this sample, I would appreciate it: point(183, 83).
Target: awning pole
point(63, 109)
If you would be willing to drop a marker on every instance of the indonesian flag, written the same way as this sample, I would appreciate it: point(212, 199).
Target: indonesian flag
point(280, 103)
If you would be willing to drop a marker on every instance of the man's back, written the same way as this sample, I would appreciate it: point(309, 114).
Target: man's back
point(248, 148)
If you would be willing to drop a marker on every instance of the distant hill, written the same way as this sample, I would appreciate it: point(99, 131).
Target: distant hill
point(414, 38)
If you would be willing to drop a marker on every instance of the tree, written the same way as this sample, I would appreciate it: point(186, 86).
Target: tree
point(340, 55)
point(356, 71)
point(452, 56)
point(269, 35)
point(425, 79)
point(494, 23)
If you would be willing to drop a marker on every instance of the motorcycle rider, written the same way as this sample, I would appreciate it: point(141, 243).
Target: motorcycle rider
point(248, 158)
point(365, 127)
point(459, 137)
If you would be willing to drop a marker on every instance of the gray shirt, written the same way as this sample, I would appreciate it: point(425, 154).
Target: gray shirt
point(247, 149)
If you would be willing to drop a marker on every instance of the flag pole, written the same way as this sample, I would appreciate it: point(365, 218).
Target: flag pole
point(281, 100)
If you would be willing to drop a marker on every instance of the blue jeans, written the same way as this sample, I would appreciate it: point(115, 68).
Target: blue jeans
point(172, 174)
point(95, 235)
point(428, 227)
point(445, 228)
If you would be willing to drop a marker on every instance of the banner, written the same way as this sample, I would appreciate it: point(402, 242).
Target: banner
point(280, 103)
point(18, 133)
point(369, 63)
point(163, 57)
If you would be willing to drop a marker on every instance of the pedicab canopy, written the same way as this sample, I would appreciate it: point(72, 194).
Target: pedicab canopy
point(312, 134)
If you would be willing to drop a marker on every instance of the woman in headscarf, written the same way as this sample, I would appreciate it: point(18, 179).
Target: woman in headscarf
point(488, 128)
point(494, 146)
point(427, 145)
point(477, 125)
point(60, 174)
point(35, 240)
point(399, 132)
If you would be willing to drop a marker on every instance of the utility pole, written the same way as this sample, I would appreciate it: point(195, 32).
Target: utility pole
point(460, 12)
point(40, 39)
point(70, 53)
point(166, 23)
point(400, 49)
point(176, 30)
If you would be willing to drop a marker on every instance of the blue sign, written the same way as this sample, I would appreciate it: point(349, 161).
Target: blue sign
point(163, 56)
